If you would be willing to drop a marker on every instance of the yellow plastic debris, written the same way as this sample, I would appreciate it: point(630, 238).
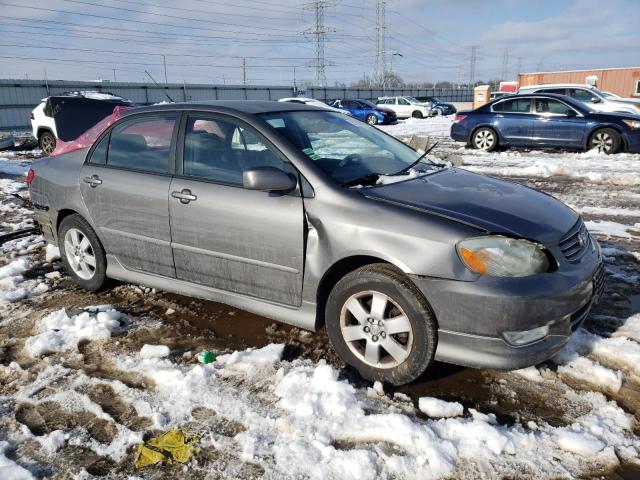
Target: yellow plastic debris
point(173, 446)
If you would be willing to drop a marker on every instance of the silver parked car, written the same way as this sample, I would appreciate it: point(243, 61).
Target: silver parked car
point(314, 218)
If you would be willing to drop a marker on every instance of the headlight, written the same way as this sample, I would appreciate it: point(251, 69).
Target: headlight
point(501, 256)
point(633, 123)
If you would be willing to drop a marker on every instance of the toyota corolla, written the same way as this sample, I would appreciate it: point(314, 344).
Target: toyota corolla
point(316, 219)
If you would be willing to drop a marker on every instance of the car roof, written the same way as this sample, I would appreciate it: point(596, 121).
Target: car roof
point(559, 85)
point(242, 106)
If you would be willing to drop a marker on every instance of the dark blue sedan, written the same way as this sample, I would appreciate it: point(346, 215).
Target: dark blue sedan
point(546, 121)
point(366, 111)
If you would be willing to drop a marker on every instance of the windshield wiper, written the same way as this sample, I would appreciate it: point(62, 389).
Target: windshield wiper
point(361, 180)
point(409, 167)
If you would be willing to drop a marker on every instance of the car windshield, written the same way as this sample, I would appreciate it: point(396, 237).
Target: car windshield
point(344, 148)
point(412, 99)
point(367, 103)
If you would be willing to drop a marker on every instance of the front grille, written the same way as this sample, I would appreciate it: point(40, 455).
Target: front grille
point(575, 243)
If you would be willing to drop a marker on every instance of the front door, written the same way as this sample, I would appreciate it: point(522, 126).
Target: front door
point(557, 124)
point(224, 236)
point(125, 186)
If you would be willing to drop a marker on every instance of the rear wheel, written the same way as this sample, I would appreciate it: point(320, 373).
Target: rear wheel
point(417, 114)
point(438, 111)
point(605, 140)
point(82, 253)
point(380, 324)
point(485, 139)
point(372, 119)
point(47, 142)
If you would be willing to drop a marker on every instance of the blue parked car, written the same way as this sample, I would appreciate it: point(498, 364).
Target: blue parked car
point(546, 120)
point(438, 107)
point(366, 111)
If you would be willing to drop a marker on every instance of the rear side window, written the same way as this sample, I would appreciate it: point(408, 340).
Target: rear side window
point(142, 143)
point(517, 105)
point(99, 154)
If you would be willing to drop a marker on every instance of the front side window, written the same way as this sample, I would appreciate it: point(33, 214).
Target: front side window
point(221, 150)
point(582, 95)
point(518, 105)
point(142, 143)
point(343, 147)
point(402, 101)
point(552, 107)
point(557, 91)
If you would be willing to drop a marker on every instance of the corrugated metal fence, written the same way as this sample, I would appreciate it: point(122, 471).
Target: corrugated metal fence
point(19, 97)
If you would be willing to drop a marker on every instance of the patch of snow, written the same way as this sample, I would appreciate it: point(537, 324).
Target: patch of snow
point(61, 332)
point(9, 469)
point(582, 444)
point(436, 408)
point(154, 351)
point(249, 359)
point(630, 328)
point(52, 253)
point(608, 228)
point(619, 352)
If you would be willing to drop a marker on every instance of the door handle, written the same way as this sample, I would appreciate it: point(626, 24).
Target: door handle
point(185, 196)
point(93, 181)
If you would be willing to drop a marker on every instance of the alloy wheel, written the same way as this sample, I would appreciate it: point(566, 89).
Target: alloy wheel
point(47, 143)
point(603, 141)
point(80, 254)
point(484, 139)
point(372, 120)
point(376, 329)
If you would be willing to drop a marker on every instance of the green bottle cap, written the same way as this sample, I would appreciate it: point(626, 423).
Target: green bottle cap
point(206, 357)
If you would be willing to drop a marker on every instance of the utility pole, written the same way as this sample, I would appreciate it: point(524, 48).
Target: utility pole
point(114, 75)
point(381, 41)
point(295, 86)
point(164, 61)
point(244, 71)
point(472, 66)
point(319, 31)
point(519, 66)
point(505, 64)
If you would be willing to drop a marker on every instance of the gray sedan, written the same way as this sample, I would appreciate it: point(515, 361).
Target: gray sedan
point(316, 219)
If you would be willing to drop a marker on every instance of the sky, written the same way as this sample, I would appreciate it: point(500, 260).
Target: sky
point(205, 41)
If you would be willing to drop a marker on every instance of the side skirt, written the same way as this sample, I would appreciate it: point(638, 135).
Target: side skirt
point(302, 317)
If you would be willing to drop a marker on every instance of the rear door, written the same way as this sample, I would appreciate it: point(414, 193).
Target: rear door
point(224, 236)
point(514, 120)
point(125, 187)
point(557, 124)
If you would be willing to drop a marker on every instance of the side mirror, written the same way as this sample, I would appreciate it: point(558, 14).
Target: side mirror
point(267, 179)
point(596, 100)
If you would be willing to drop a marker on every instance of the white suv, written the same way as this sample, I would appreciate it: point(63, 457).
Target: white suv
point(589, 95)
point(68, 115)
point(406, 107)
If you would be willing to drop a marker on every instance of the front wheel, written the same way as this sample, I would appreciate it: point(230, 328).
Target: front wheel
point(372, 119)
point(82, 253)
point(380, 324)
point(417, 114)
point(485, 139)
point(605, 140)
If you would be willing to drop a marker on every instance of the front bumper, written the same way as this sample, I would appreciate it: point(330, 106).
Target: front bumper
point(472, 315)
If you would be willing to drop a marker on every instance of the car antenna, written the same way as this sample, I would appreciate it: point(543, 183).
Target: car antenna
point(157, 85)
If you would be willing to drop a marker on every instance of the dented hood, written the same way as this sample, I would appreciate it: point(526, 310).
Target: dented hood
point(487, 203)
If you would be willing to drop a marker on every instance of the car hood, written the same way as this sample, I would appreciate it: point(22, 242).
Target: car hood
point(484, 202)
point(628, 101)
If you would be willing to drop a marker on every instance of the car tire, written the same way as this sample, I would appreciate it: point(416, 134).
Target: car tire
point(404, 309)
point(47, 142)
point(79, 249)
point(485, 139)
point(606, 140)
point(417, 114)
point(438, 112)
point(372, 119)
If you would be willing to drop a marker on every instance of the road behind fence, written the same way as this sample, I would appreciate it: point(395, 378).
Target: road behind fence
point(19, 97)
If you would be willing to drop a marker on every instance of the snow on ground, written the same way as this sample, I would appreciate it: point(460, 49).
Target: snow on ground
point(83, 384)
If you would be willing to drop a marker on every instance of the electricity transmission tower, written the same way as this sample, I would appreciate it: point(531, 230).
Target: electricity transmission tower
point(505, 64)
point(381, 41)
point(319, 31)
point(472, 66)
